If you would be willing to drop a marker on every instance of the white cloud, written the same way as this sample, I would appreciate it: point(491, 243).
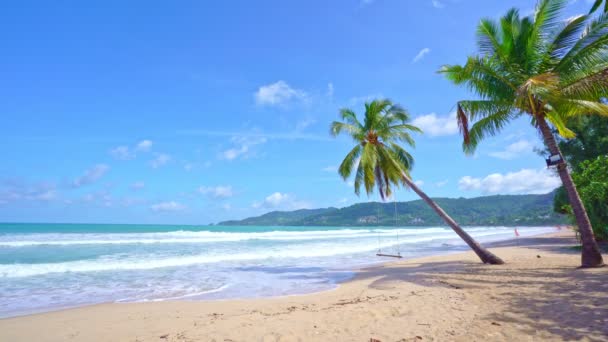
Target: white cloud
point(122, 153)
point(421, 54)
point(419, 182)
point(331, 168)
point(514, 150)
point(242, 148)
point(283, 201)
point(138, 185)
point(91, 176)
point(160, 160)
point(171, 206)
point(435, 125)
point(525, 181)
point(278, 93)
point(220, 191)
point(144, 145)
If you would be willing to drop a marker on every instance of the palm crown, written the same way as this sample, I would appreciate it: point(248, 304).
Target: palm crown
point(540, 66)
point(377, 159)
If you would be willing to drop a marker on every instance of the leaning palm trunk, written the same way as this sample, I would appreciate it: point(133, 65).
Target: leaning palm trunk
point(486, 256)
point(591, 256)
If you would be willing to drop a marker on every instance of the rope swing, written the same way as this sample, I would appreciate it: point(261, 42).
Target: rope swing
point(379, 253)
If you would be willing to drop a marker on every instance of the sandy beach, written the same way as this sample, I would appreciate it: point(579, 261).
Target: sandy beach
point(540, 294)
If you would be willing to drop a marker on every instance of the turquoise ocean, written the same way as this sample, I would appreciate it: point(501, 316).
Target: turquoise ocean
point(46, 267)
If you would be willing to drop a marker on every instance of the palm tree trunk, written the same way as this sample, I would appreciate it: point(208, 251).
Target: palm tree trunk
point(486, 256)
point(590, 256)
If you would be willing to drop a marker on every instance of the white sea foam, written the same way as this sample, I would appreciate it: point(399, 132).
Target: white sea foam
point(25, 240)
point(152, 262)
point(331, 243)
point(45, 271)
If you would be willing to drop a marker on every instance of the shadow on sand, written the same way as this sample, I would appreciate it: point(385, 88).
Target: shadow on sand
point(535, 296)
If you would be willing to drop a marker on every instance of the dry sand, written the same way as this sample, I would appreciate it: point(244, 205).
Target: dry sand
point(540, 294)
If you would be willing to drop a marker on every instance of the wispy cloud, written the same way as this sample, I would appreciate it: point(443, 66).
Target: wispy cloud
point(220, 191)
point(441, 183)
point(278, 93)
point(13, 190)
point(437, 4)
point(330, 90)
point(124, 152)
point(121, 153)
point(91, 175)
point(304, 123)
point(144, 145)
point(136, 186)
point(170, 206)
point(242, 147)
point(256, 134)
point(161, 160)
point(358, 100)
point(514, 150)
point(421, 54)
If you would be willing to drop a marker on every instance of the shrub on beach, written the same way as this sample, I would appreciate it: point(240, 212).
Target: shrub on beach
point(592, 183)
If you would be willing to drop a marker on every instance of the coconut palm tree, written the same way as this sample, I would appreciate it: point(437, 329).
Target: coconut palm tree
point(378, 160)
point(542, 68)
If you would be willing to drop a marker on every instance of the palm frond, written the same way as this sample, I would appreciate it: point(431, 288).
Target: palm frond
point(369, 159)
point(567, 36)
point(337, 128)
point(557, 120)
point(546, 20)
point(488, 126)
point(359, 175)
point(589, 51)
point(349, 162)
point(350, 117)
point(591, 87)
point(597, 5)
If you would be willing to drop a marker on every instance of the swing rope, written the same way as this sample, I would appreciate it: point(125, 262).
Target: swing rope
point(397, 227)
point(398, 255)
point(378, 231)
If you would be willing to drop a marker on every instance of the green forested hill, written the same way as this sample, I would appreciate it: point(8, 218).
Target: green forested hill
point(500, 210)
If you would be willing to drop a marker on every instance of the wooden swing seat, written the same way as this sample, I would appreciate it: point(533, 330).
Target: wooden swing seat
point(389, 255)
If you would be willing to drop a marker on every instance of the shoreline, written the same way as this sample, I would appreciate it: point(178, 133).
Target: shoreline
point(352, 274)
point(448, 297)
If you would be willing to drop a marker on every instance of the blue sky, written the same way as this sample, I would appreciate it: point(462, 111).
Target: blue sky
point(192, 112)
